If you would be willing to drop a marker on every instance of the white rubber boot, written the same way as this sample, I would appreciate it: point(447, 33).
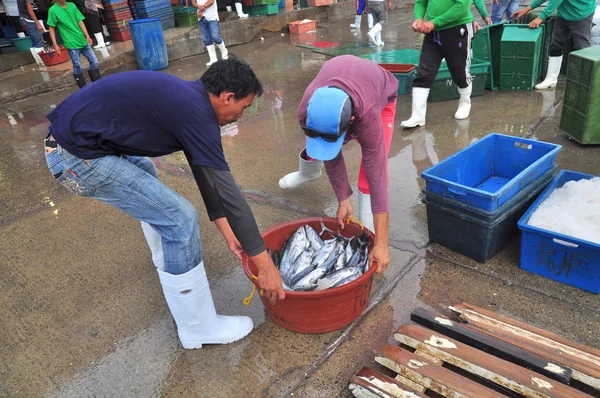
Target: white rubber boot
point(155, 244)
point(240, 11)
point(419, 108)
point(552, 74)
point(370, 21)
point(100, 40)
point(20, 34)
point(356, 24)
point(190, 301)
point(228, 8)
point(365, 214)
point(307, 171)
point(223, 49)
point(464, 103)
point(212, 54)
point(373, 33)
point(378, 38)
point(38, 60)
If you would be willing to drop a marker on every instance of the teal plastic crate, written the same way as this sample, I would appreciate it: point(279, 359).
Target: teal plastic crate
point(401, 56)
point(265, 2)
point(580, 116)
point(444, 89)
point(521, 53)
point(486, 47)
point(263, 9)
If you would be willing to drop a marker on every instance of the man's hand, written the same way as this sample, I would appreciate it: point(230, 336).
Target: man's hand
point(536, 23)
point(390, 4)
point(57, 49)
point(380, 255)
point(89, 40)
point(520, 13)
point(488, 20)
point(236, 248)
point(417, 25)
point(495, 1)
point(476, 27)
point(269, 278)
point(427, 27)
point(40, 27)
point(344, 212)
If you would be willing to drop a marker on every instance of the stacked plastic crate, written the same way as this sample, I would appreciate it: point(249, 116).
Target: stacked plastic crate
point(475, 198)
point(261, 7)
point(117, 15)
point(155, 9)
point(521, 54)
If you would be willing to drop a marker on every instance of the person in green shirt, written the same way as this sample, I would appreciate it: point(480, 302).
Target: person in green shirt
point(69, 21)
point(448, 28)
point(574, 20)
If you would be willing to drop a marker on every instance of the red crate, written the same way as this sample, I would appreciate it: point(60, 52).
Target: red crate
point(301, 27)
point(398, 68)
point(319, 3)
point(115, 6)
point(120, 36)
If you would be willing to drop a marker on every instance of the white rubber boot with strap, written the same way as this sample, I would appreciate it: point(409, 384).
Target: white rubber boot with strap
point(190, 301)
point(308, 170)
point(212, 54)
point(419, 108)
point(154, 241)
point(365, 214)
point(552, 73)
point(464, 103)
point(357, 21)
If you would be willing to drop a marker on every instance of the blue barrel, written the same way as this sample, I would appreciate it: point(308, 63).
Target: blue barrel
point(149, 43)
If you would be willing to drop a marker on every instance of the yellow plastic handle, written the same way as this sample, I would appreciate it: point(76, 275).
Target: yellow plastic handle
point(248, 299)
point(355, 220)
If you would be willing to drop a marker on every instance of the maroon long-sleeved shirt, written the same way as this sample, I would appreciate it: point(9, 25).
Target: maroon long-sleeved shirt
point(371, 89)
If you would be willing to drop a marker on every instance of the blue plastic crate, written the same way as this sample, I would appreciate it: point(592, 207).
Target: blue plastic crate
point(559, 257)
point(489, 172)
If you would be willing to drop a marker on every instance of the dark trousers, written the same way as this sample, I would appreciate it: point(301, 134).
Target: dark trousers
point(453, 44)
point(580, 31)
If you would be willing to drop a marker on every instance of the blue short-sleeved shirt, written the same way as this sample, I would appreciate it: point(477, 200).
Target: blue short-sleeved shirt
point(140, 113)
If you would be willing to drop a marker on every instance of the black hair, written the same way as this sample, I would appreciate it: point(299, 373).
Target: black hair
point(234, 75)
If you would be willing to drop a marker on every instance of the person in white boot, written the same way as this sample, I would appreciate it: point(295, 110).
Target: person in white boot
point(360, 10)
point(352, 98)
point(33, 27)
point(574, 19)
point(92, 22)
point(111, 166)
point(448, 29)
point(308, 169)
point(208, 18)
point(379, 10)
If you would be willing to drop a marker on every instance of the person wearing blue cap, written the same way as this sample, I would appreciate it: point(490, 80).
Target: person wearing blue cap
point(352, 98)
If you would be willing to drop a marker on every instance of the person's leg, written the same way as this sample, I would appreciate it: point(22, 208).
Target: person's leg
point(94, 71)
point(456, 46)
point(215, 34)
point(581, 32)
point(512, 6)
point(37, 41)
point(379, 13)
point(560, 34)
point(240, 10)
point(77, 71)
point(429, 64)
point(360, 8)
point(206, 37)
point(498, 10)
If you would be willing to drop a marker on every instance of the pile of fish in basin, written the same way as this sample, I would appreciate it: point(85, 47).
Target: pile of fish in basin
point(308, 262)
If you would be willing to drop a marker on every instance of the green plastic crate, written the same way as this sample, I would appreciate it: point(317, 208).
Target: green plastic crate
point(521, 51)
point(444, 89)
point(548, 29)
point(580, 116)
point(263, 9)
point(405, 81)
point(402, 56)
point(265, 2)
point(186, 18)
point(486, 47)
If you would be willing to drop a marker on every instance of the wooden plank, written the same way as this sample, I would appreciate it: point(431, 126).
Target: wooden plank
point(368, 377)
point(409, 383)
point(530, 328)
point(363, 389)
point(428, 357)
point(434, 377)
point(489, 367)
point(585, 365)
point(491, 345)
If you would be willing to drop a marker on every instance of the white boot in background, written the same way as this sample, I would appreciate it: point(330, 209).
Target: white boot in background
point(228, 8)
point(240, 11)
point(370, 21)
point(307, 171)
point(190, 301)
point(223, 49)
point(551, 74)
point(155, 244)
point(373, 33)
point(378, 38)
point(212, 54)
point(100, 40)
point(357, 20)
point(20, 34)
point(365, 214)
point(419, 108)
point(38, 60)
point(464, 103)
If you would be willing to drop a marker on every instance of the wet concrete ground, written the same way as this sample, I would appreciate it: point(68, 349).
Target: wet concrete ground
point(82, 309)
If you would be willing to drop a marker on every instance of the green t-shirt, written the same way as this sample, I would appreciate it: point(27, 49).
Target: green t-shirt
point(444, 14)
point(570, 10)
point(66, 20)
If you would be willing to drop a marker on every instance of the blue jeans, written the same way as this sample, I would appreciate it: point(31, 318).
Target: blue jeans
point(88, 53)
point(32, 31)
point(504, 7)
point(131, 184)
point(210, 32)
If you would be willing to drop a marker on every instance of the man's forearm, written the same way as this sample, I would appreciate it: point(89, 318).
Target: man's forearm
point(381, 222)
point(225, 229)
point(52, 36)
point(83, 29)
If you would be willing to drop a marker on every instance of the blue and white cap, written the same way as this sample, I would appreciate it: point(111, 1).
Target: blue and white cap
point(329, 113)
